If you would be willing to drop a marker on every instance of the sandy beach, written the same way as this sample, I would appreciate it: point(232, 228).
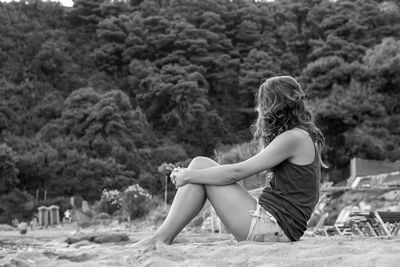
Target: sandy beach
point(47, 248)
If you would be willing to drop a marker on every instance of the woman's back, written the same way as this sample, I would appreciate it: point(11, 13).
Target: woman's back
point(292, 195)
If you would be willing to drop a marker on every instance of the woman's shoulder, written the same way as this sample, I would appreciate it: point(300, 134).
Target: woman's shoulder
point(292, 141)
point(303, 146)
point(295, 134)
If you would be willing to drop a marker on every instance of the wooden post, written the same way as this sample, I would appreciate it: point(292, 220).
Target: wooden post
point(212, 221)
point(45, 195)
point(204, 218)
point(166, 192)
point(37, 196)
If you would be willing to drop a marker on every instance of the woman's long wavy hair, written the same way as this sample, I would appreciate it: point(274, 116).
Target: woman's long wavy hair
point(281, 107)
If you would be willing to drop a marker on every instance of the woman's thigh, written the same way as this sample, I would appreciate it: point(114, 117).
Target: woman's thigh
point(231, 202)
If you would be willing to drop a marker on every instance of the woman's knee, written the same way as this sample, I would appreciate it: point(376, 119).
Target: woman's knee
point(202, 163)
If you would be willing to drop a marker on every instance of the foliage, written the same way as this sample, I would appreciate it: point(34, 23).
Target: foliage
point(16, 204)
point(135, 201)
point(166, 168)
point(98, 95)
point(8, 169)
point(110, 201)
point(238, 153)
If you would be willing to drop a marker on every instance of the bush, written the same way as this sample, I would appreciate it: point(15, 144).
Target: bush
point(135, 201)
point(111, 201)
point(158, 215)
point(16, 205)
point(158, 211)
point(236, 153)
point(8, 170)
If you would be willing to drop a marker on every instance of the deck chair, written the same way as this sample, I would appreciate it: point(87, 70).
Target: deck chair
point(376, 223)
point(341, 226)
point(362, 223)
point(392, 221)
point(320, 228)
point(342, 223)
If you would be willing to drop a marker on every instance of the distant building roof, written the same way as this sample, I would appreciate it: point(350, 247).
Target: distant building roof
point(376, 180)
point(367, 167)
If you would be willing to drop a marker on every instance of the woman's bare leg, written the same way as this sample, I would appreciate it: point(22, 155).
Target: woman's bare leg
point(231, 202)
point(188, 202)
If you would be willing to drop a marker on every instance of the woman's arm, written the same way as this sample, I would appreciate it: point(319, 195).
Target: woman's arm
point(282, 147)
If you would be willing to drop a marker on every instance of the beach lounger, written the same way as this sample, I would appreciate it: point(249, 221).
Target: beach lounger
point(341, 226)
point(392, 220)
point(376, 223)
point(362, 223)
point(320, 228)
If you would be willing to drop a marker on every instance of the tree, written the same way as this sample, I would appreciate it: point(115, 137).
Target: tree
point(95, 138)
point(8, 169)
point(177, 101)
point(319, 76)
point(255, 69)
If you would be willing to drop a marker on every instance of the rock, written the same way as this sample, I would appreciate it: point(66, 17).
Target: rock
point(76, 258)
point(72, 240)
point(102, 216)
point(114, 224)
point(81, 244)
point(23, 228)
point(6, 227)
point(23, 259)
point(111, 237)
point(98, 238)
point(391, 195)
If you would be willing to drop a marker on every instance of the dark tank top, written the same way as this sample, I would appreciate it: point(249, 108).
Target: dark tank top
point(292, 195)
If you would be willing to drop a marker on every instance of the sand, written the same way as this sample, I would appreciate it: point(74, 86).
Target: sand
point(47, 248)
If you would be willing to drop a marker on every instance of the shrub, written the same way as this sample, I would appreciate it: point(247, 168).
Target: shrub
point(110, 201)
point(135, 201)
point(236, 153)
point(16, 204)
point(8, 170)
point(158, 215)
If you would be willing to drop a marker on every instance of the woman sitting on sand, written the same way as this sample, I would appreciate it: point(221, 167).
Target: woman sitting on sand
point(291, 146)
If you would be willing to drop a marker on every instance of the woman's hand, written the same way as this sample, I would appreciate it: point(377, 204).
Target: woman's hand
point(178, 176)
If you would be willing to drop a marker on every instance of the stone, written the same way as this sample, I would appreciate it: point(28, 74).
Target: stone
point(85, 206)
point(81, 243)
point(6, 227)
point(98, 238)
point(111, 237)
point(72, 240)
point(72, 201)
point(75, 258)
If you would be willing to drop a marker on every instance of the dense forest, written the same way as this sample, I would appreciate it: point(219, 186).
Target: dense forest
point(100, 94)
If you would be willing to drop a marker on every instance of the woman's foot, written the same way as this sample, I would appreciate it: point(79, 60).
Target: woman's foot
point(148, 243)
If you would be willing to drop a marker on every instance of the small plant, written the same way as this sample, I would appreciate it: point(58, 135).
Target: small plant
point(166, 168)
point(136, 201)
point(111, 201)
